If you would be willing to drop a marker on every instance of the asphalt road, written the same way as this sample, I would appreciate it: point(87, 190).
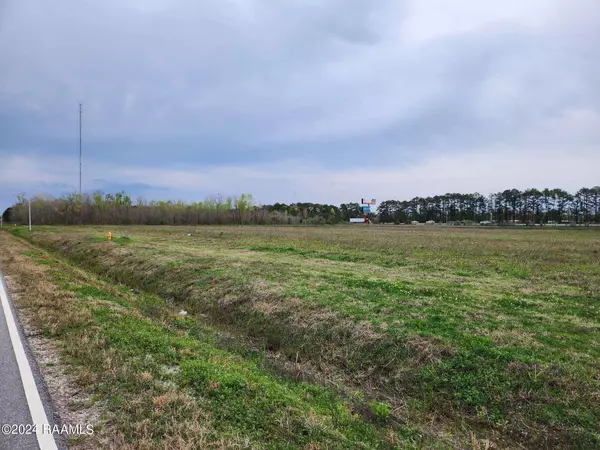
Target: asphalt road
point(22, 391)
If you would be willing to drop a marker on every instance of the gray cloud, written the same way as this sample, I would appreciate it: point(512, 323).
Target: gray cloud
point(338, 84)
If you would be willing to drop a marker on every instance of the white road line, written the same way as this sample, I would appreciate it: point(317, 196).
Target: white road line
point(36, 408)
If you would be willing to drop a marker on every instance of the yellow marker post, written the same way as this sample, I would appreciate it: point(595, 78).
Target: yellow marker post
point(109, 236)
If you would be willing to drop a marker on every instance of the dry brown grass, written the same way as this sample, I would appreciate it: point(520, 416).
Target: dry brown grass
point(41, 306)
point(46, 311)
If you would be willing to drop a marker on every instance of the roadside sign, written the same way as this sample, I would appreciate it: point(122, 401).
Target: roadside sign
point(366, 209)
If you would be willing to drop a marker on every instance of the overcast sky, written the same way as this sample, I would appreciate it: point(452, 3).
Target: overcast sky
point(299, 100)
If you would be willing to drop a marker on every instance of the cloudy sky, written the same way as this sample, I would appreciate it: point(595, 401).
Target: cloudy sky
point(299, 100)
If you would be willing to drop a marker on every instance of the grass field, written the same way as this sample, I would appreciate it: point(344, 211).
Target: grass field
point(421, 336)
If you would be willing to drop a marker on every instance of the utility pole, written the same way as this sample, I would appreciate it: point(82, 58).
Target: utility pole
point(29, 203)
point(80, 151)
point(80, 192)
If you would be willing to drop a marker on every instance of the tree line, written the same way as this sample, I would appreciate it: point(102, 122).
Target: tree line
point(507, 207)
point(120, 209)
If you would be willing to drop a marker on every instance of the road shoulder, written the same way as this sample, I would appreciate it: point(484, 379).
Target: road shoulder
point(56, 389)
point(23, 391)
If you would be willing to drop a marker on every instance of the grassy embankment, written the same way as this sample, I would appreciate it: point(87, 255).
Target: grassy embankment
point(166, 381)
point(491, 332)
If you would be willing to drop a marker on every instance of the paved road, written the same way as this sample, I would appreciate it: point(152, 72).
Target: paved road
point(20, 398)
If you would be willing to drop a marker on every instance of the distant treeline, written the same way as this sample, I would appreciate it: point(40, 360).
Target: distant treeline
point(529, 206)
point(509, 206)
point(120, 209)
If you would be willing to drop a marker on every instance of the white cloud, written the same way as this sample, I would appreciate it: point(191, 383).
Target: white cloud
point(434, 19)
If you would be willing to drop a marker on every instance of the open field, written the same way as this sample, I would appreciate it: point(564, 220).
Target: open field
point(437, 337)
point(147, 378)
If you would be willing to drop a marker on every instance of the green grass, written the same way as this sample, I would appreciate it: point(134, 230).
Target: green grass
point(160, 371)
point(240, 396)
point(490, 331)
